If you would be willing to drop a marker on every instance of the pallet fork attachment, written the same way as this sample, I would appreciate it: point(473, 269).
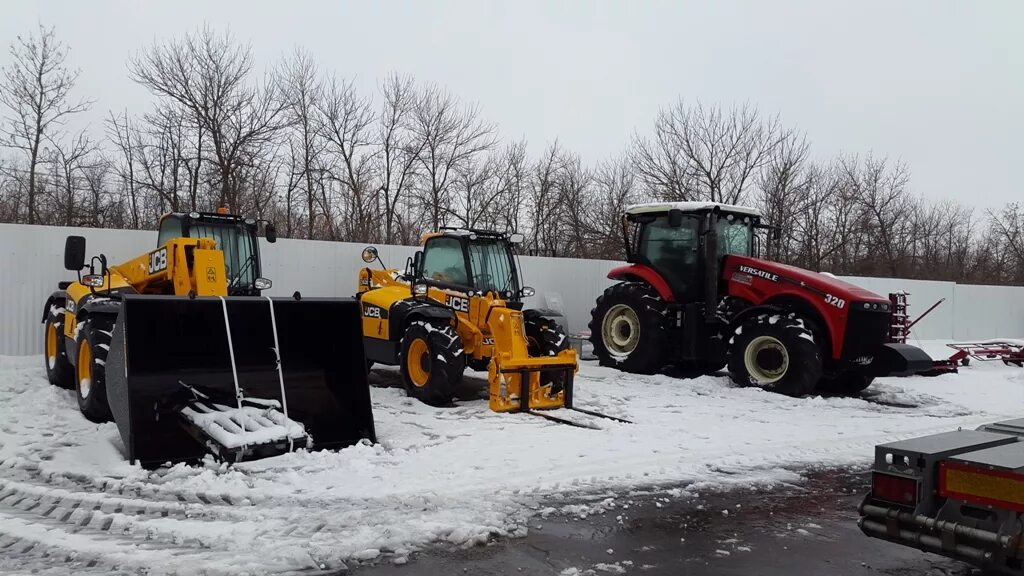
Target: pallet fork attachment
point(525, 406)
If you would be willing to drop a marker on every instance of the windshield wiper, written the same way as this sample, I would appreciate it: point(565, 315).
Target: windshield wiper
point(245, 267)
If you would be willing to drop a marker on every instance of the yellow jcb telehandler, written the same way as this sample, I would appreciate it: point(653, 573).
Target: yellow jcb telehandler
point(460, 303)
point(179, 347)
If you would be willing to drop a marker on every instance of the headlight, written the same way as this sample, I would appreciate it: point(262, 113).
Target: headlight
point(262, 283)
point(93, 280)
point(420, 289)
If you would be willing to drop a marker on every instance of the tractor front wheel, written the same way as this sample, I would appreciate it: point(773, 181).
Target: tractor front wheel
point(432, 362)
point(90, 369)
point(59, 370)
point(627, 328)
point(776, 352)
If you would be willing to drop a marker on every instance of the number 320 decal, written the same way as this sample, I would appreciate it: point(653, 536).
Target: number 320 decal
point(837, 302)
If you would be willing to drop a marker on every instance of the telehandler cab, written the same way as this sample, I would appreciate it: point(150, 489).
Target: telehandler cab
point(181, 349)
point(460, 303)
point(693, 294)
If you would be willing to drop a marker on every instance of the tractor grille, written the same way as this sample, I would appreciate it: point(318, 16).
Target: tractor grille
point(866, 331)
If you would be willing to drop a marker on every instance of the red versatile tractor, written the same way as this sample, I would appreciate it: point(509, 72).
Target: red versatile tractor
point(693, 295)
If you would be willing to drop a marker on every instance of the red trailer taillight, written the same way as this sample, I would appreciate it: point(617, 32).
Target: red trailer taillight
point(895, 489)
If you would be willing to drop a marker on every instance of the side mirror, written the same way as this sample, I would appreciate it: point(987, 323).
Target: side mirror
point(516, 238)
point(417, 263)
point(776, 234)
point(675, 218)
point(271, 232)
point(369, 254)
point(74, 253)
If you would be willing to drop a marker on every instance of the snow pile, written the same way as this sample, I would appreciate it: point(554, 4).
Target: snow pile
point(458, 475)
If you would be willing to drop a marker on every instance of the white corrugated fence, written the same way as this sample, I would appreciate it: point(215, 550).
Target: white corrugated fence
point(32, 258)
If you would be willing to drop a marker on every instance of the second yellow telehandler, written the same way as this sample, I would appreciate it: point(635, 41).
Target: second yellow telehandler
point(459, 303)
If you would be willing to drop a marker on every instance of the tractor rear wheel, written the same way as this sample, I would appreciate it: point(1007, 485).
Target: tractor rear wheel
point(90, 370)
point(776, 352)
point(431, 362)
point(59, 370)
point(545, 337)
point(627, 328)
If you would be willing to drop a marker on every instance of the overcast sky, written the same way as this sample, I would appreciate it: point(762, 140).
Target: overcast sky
point(937, 84)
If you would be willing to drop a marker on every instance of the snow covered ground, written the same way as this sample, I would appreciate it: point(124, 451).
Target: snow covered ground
point(460, 475)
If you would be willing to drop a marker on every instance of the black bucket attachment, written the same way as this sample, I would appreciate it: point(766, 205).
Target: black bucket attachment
point(900, 360)
point(171, 377)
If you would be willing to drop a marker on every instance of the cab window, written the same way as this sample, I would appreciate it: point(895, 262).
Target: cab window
point(733, 237)
point(170, 228)
point(444, 261)
point(672, 251)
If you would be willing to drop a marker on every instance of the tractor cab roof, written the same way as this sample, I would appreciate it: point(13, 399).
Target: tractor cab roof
point(468, 233)
point(691, 207)
point(209, 217)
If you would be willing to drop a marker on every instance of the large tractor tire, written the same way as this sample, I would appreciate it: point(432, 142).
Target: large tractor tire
point(627, 328)
point(545, 337)
point(775, 352)
point(432, 362)
point(59, 370)
point(94, 338)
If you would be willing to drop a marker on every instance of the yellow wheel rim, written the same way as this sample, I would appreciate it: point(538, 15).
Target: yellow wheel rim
point(418, 357)
point(84, 369)
point(51, 344)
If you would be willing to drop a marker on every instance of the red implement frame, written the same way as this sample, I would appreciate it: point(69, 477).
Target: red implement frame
point(987, 351)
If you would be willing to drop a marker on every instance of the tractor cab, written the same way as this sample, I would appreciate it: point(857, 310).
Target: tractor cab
point(470, 261)
point(234, 235)
point(685, 242)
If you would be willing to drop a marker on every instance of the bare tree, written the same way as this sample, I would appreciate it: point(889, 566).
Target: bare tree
point(35, 88)
point(303, 93)
point(705, 153)
point(399, 148)
point(346, 121)
point(208, 76)
point(69, 164)
point(782, 189)
point(615, 189)
point(452, 135)
point(544, 201)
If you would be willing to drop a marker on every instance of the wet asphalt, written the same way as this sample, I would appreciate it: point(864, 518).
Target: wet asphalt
point(807, 527)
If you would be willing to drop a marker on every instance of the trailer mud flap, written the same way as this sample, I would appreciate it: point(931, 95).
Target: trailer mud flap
point(900, 360)
point(168, 352)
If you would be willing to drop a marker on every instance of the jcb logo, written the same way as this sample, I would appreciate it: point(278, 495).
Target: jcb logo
point(458, 303)
point(372, 311)
point(158, 260)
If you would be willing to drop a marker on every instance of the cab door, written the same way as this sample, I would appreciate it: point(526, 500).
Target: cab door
point(674, 253)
